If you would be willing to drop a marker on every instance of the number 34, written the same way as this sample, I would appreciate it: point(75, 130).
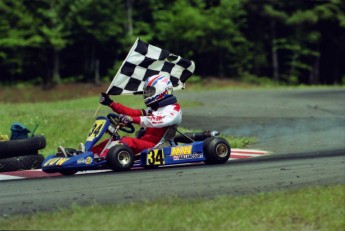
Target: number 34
point(155, 157)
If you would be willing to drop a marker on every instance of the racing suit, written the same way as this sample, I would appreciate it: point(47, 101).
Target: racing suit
point(156, 123)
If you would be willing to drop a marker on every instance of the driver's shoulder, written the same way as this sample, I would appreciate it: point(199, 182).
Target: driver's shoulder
point(170, 107)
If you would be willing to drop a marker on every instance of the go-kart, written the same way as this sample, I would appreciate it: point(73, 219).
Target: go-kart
point(173, 150)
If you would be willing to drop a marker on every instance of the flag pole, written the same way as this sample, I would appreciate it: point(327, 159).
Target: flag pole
point(96, 111)
point(111, 84)
point(133, 47)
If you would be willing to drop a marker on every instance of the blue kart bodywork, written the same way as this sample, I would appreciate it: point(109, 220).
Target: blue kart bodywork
point(168, 155)
point(150, 157)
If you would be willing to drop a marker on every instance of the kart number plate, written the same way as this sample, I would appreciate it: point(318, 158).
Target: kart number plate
point(155, 157)
point(96, 129)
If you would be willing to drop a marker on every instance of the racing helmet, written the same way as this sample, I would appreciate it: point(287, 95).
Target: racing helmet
point(157, 88)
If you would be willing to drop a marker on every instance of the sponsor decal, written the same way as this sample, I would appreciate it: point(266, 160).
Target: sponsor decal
point(88, 160)
point(188, 157)
point(184, 150)
point(157, 119)
point(55, 161)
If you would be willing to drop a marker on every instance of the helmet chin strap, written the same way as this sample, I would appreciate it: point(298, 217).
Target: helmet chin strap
point(164, 102)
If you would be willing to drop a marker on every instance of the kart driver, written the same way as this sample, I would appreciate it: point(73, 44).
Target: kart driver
point(162, 111)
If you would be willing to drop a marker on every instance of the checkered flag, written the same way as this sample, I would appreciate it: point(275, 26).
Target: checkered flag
point(145, 60)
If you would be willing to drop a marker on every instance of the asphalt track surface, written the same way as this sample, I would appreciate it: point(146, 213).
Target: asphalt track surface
point(303, 129)
point(284, 120)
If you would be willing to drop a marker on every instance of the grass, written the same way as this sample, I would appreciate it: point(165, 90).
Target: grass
point(313, 208)
point(66, 120)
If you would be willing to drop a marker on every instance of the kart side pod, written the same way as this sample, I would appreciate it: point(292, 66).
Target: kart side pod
point(213, 150)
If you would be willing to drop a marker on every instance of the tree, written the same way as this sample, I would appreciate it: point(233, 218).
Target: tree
point(53, 24)
point(99, 27)
point(60, 40)
point(208, 33)
point(297, 36)
point(18, 39)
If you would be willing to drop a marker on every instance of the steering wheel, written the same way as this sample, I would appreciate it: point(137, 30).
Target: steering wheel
point(114, 119)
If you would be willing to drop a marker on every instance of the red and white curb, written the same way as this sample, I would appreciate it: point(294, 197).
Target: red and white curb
point(37, 173)
point(246, 153)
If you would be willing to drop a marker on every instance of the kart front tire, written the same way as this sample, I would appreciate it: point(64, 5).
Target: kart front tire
point(21, 163)
point(120, 158)
point(217, 150)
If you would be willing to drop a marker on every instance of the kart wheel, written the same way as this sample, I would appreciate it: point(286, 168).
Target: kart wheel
point(21, 147)
point(216, 150)
point(21, 163)
point(68, 172)
point(120, 158)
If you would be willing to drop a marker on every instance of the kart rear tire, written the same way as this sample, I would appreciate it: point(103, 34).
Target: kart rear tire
point(217, 150)
point(21, 147)
point(21, 163)
point(68, 172)
point(120, 158)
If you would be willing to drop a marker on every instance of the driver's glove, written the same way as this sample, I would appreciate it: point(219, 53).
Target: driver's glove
point(125, 119)
point(105, 99)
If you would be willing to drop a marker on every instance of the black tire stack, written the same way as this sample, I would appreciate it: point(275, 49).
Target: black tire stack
point(21, 154)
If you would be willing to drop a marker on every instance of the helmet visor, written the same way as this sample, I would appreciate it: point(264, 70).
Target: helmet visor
point(149, 91)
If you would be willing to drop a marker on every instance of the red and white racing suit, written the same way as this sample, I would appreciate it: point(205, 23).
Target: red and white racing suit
point(155, 122)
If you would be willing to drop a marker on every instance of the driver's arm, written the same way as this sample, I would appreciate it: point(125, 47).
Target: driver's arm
point(121, 109)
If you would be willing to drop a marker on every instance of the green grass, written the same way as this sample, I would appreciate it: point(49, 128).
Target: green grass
point(314, 208)
point(68, 122)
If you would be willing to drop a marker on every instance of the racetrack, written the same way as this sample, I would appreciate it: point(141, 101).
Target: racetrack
point(286, 121)
point(232, 178)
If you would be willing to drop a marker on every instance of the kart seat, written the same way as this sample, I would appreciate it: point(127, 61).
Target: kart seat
point(192, 137)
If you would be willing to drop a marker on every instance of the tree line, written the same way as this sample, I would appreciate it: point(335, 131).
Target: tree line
point(52, 41)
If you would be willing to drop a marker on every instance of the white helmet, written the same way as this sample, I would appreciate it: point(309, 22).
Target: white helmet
point(156, 88)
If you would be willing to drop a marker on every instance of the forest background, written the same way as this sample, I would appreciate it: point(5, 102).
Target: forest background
point(50, 42)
